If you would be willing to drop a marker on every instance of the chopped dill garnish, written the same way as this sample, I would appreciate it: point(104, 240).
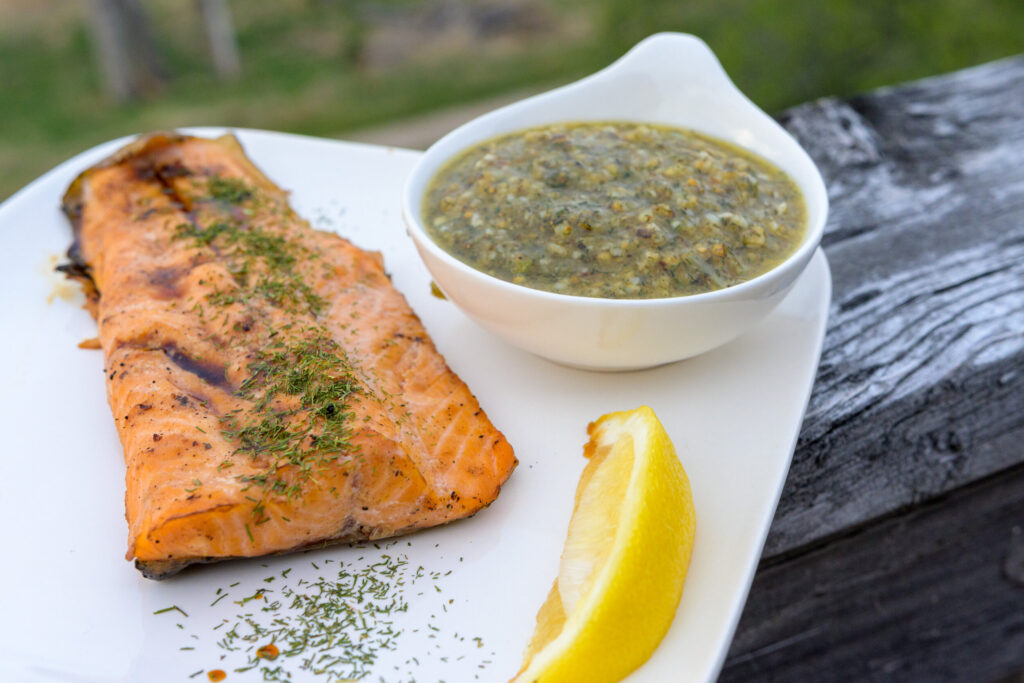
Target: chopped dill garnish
point(251, 250)
point(171, 609)
point(335, 625)
point(230, 190)
point(300, 384)
point(313, 433)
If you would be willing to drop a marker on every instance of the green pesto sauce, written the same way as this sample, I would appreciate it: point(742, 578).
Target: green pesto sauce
point(615, 210)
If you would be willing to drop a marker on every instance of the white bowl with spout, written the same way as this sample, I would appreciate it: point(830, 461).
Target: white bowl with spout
point(671, 79)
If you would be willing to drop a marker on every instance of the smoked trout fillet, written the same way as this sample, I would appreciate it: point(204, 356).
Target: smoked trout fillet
point(271, 389)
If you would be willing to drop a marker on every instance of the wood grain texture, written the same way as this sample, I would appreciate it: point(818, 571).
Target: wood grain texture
point(936, 594)
point(921, 384)
point(897, 551)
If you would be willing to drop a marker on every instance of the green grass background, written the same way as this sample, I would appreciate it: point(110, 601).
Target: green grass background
point(300, 73)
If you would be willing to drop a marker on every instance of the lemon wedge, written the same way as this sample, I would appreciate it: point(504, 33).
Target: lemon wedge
point(625, 557)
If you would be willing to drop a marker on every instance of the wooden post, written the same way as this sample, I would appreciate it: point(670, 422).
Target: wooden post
point(109, 39)
point(126, 48)
point(150, 69)
point(221, 34)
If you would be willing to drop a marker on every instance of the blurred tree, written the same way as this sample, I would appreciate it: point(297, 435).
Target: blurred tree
point(126, 48)
point(220, 32)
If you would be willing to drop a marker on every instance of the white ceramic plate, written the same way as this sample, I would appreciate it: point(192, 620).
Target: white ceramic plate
point(74, 610)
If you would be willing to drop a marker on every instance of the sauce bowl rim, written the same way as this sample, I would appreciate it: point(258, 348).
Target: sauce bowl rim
point(430, 165)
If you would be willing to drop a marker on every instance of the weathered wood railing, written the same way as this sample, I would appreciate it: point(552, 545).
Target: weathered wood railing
point(897, 552)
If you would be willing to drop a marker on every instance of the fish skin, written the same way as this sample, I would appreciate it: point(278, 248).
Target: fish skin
point(423, 452)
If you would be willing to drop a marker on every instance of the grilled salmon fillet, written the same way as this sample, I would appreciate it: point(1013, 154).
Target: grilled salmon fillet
point(271, 389)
